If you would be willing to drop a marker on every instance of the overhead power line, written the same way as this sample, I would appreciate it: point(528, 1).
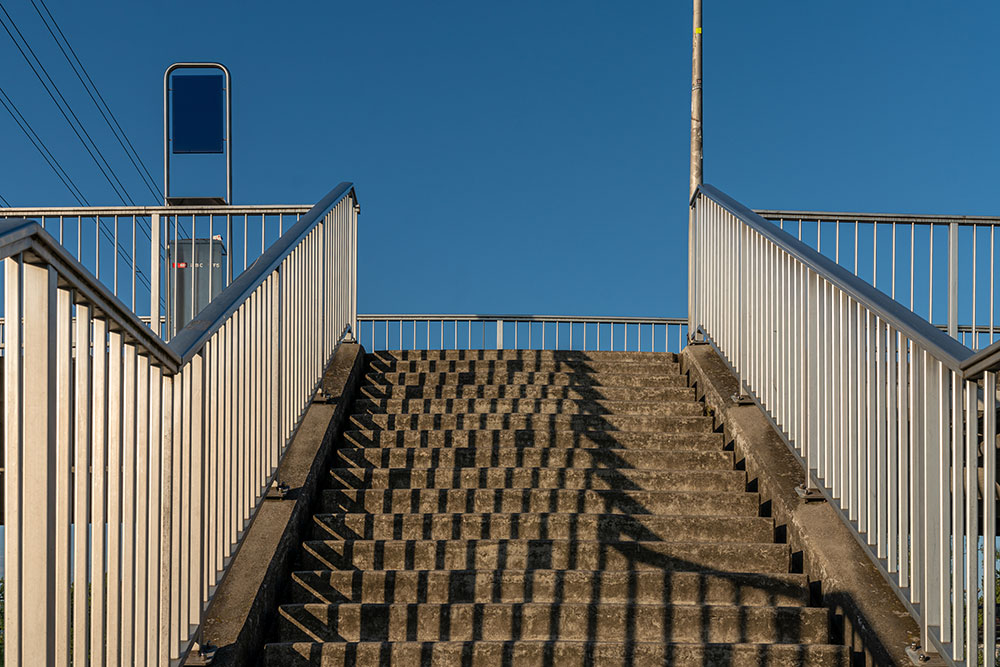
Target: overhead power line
point(66, 109)
point(7, 103)
point(4, 202)
point(102, 106)
point(42, 149)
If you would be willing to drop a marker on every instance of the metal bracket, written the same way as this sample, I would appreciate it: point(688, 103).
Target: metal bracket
point(278, 490)
point(202, 654)
point(918, 657)
point(809, 495)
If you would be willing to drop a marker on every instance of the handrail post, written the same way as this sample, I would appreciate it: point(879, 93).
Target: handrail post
point(154, 274)
point(499, 333)
point(953, 281)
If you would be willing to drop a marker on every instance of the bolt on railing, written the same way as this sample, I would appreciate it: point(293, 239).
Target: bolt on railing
point(165, 450)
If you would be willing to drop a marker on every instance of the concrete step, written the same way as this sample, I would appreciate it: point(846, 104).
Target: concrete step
point(525, 391)
point(540, 406)
point(531, 355)
point(484, 501)
point(559, 438)
point(551, 554)
point(541, 526)
point(554, 652)
point(690, 422)
point(589, 368)
point(534, 478)
point(552, 379)
point(548, 586)
point(542, 622)
point(530, 457)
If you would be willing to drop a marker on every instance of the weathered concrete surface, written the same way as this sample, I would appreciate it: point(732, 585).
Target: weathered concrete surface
point(875, 624)
point(242, 608)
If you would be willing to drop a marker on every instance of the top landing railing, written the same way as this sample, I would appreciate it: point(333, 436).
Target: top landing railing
point(133, 466)
point(894, 421)
point(942, 267)
point(521, 332)
point(125, 248)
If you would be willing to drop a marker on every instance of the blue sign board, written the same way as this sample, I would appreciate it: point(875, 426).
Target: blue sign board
point(197, 113)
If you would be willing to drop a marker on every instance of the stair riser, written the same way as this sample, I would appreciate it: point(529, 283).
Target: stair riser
point(530, 457)
point(552, 379)
point(588, 368)
point(547, 654)
point(606, 440)
point(540, 622)
point(516, 355)
point(636, 423)
point(526, 478)
point(485, 501)
point(525, 391)
point(542, 554)
point(528, 407)
point(548, 586)
point(540, 526)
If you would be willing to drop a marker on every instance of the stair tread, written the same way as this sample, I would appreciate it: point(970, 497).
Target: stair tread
point(538, 508)
point(557, 437)
point(512, 621)
point(532, 457)
point(548, 586)
point(534, 478)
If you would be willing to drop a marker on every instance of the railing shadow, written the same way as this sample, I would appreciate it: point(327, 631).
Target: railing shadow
point(628, 551)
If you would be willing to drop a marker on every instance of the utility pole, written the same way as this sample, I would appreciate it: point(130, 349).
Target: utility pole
point(696, 173)
point(697, 153)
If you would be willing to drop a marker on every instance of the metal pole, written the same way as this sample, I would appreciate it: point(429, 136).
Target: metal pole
point(696, 170)
point(697, 153)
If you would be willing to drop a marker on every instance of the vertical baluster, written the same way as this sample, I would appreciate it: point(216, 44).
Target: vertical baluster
point(114, 476)
point(81, 485)
point(957, 618)
point(64, 476)
point(890, 495)
point(98, 493)
point(989, 516)
point(903, 428)
point(971, 522)
point(144, 484)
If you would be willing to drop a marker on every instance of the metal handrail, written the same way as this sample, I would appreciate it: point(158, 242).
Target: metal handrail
point(183, 439)
point(109, 211)
point(444, 332)
point(887, 414)
point(18, 235)
point(899, 218)
point(190, 339)
point(946, 348)
point(598, 319)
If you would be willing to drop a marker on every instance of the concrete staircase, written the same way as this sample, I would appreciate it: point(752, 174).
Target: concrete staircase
point(541, 508)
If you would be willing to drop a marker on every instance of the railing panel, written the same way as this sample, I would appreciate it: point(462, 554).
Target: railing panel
point(520, 332)
point(132, 468)
point(941, 267)
point(884, 410)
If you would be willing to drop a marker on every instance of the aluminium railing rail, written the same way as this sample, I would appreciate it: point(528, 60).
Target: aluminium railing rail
point(165, 450)
point(125, 247)
point(882, 408)
point(521, 332)
point(943, 266)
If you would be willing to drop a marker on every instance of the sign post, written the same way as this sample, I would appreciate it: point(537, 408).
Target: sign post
point(194, 122)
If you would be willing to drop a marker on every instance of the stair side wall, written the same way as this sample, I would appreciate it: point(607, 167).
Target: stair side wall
point(874, 622)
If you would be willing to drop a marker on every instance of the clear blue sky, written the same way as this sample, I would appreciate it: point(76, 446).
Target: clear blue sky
point(533, 156)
